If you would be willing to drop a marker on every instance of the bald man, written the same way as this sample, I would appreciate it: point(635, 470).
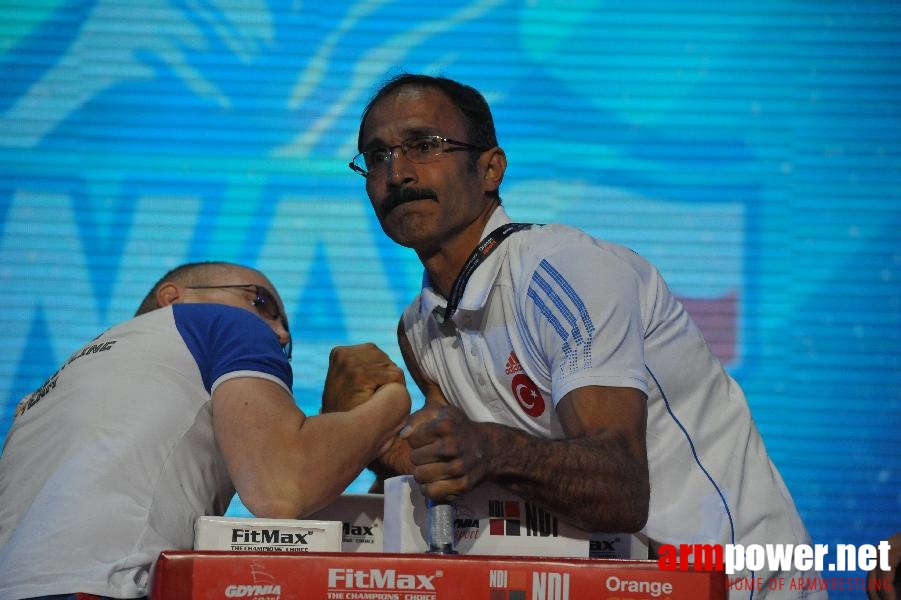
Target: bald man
point(160, 420)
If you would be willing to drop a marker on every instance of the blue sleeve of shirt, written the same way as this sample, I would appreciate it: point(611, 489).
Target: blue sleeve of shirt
point(224, 339)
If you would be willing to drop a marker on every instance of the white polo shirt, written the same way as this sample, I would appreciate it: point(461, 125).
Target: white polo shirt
point(115, 458)
point(552, 310)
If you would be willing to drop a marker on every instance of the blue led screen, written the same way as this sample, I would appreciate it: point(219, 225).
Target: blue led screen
point(752, 150)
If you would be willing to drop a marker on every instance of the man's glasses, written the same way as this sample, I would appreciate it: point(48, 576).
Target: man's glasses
point(421, 149)
point(264, 302)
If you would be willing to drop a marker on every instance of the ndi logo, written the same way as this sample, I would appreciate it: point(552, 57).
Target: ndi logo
point(506, 518)
point(540, 522)
point(550, 586)
point(508, 585)
point(546, 585)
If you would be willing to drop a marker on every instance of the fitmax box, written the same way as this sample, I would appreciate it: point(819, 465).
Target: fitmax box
point(362, 519)
point(493, 521)
point(266, 535)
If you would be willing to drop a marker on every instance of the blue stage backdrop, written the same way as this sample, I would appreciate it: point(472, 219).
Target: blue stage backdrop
point(752, 150)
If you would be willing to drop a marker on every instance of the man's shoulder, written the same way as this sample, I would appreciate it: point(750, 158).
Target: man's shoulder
point(412, 311)
point(195, 312)
point(219, 321)
point(557, 234)
point(563, 248)
point(226, 339)
point(557, 239)
point(218, 313)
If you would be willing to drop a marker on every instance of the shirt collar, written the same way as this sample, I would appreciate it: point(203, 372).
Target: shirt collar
point(478, 287)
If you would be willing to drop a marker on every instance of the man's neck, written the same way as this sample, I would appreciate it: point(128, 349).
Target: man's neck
point(444, 265)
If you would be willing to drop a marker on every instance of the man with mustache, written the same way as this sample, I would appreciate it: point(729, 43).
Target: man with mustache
point(557, 365)
point(159, 420)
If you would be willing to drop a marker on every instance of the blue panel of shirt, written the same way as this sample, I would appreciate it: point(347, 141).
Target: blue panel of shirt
point(224, 339)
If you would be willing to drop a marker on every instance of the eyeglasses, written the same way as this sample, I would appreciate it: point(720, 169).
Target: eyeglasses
point(265, 303)
point(420, 150)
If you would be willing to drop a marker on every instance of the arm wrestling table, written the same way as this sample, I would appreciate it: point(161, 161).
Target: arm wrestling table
point(210, 575)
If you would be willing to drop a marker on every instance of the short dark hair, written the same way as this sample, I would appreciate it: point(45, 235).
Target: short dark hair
point(194, 273)
point(468, 100)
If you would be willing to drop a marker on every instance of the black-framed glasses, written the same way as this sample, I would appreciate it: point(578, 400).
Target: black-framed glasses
point(420, 149)
point(264, 302)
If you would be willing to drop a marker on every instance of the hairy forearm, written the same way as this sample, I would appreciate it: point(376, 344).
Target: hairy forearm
point(596, 483)
point(394, 461)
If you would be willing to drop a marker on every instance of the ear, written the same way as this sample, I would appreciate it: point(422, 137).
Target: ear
point(494, 163)
point(168, 293)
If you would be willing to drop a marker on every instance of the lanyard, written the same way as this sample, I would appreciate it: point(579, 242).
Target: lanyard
point(478, 256)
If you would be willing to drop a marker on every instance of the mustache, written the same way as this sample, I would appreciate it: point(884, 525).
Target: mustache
point(399, 196)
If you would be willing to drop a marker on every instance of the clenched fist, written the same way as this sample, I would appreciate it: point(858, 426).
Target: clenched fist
point(354, 374)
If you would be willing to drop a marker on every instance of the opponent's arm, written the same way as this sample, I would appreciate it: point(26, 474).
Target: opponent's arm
point(354, 374)
point(396, 460)
point(285, 464)
point(597, 478)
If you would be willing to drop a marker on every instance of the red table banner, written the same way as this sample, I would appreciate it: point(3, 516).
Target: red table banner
point(212, 575)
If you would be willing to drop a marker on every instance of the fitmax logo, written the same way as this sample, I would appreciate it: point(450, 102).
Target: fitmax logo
point(357, 530)
point(604, 548)
point(269, 536)
point(378, 579)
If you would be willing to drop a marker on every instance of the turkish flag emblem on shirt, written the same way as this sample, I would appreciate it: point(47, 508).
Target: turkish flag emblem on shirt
point(528, 395)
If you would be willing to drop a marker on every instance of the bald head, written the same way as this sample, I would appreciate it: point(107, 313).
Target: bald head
point(196, 274)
